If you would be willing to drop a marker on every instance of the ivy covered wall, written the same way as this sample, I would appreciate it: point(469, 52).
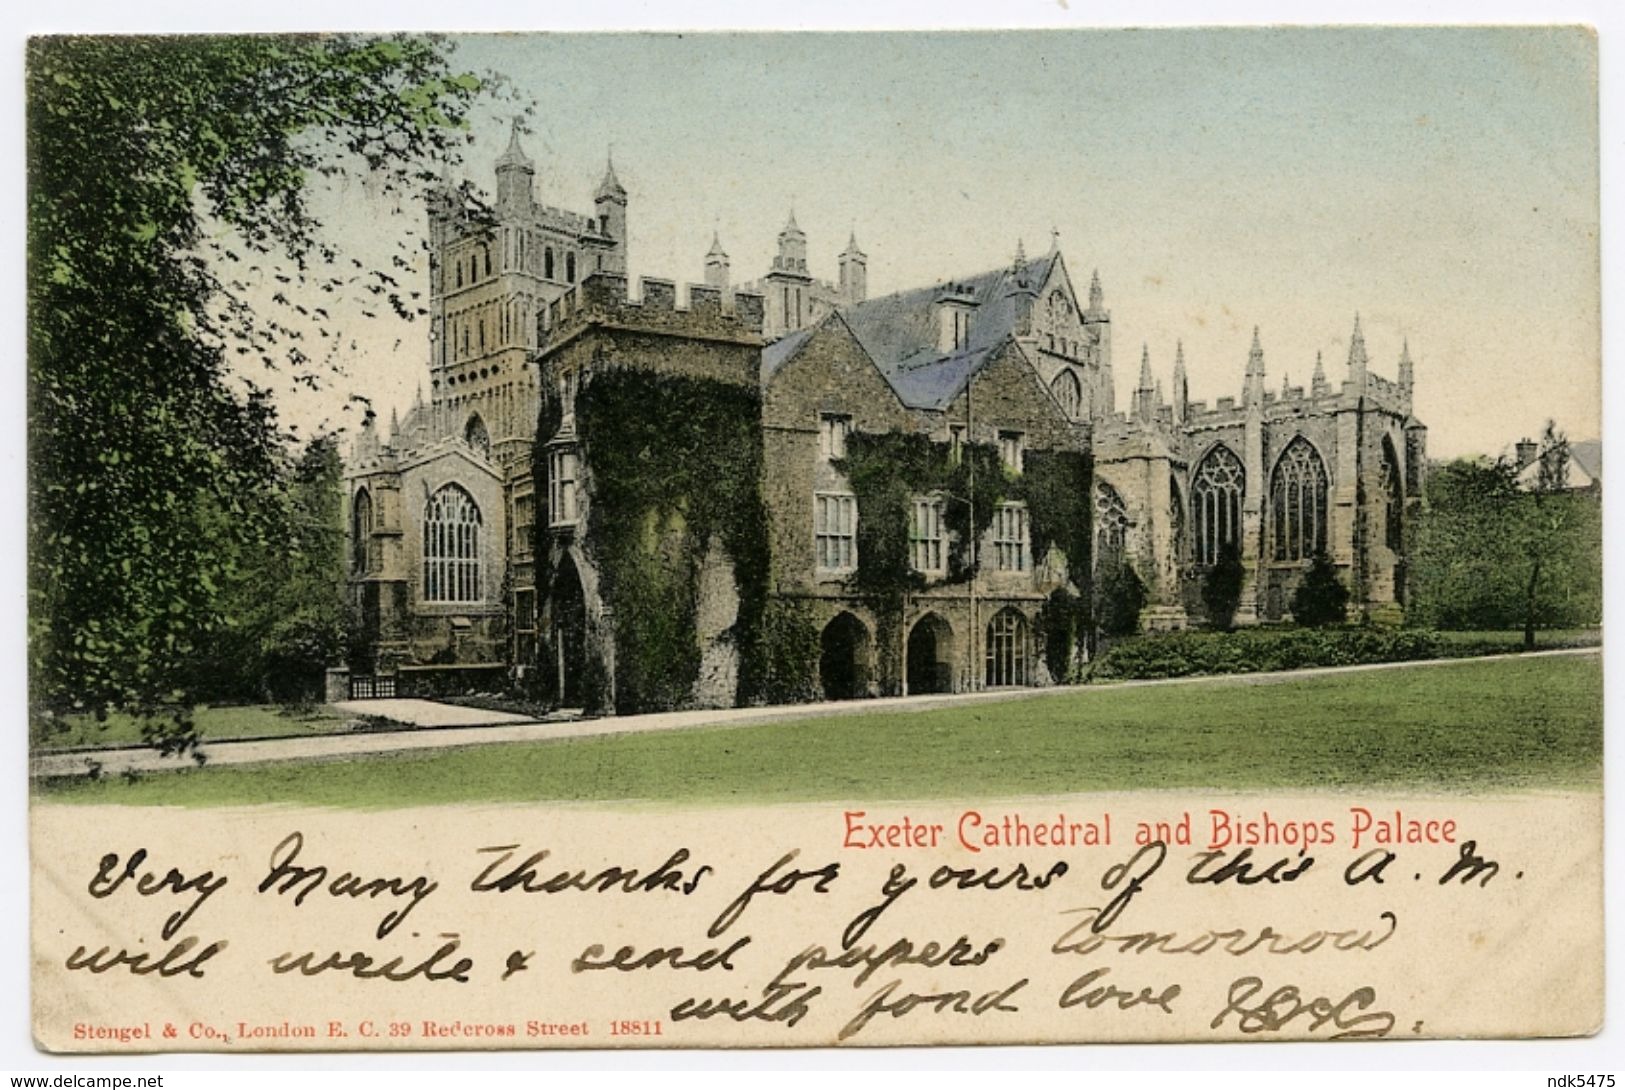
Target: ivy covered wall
point(673, 468)
point(887, 472)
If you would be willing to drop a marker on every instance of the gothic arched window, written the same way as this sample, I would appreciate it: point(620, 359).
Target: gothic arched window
point(547, 263)
point(451, 547)
point(1298, 502)
point(476, 435)
point(1216, 499)
point(360, 530)
point(1393, 497)
point(1007, 649)
point(1111, 526)
point(1068, 391)
point(570, 266)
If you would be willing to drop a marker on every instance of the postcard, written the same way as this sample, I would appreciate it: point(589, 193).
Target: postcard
point(779, 540)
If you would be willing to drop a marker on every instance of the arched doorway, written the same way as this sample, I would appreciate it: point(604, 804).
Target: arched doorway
point(931, 656)
point(569, 634)
point(1007, 649)
point(843, 662)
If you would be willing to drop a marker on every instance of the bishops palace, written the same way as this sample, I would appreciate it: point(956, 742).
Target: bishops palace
point(629, 498)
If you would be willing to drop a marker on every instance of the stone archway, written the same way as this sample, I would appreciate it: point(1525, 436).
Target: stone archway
point(569, 631)
point(931, 656)
point(843, 661)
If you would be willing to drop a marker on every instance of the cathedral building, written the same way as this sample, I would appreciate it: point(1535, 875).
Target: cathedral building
point(937, 475)
point(441, 509)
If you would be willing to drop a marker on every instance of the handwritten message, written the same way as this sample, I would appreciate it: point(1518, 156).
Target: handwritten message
point(1137, 917)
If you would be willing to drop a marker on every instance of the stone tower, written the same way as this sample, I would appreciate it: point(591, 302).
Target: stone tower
point(854, 275)
point(788, 286)
point(610, 201)
point(516, 175)
point(716, 265)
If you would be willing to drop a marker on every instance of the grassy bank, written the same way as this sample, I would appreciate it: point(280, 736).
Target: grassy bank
point(213, 724)
point(1511, 723)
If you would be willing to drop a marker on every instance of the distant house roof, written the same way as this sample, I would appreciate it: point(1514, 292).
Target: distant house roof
point(899, 332)
point(1584, 469)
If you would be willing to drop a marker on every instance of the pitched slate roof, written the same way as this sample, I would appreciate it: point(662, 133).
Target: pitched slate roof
point(899, 333)
point(783, 350)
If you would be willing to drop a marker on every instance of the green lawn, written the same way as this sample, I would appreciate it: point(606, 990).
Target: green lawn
point(1489, 640)
point(1514, 723)
point(213, 724)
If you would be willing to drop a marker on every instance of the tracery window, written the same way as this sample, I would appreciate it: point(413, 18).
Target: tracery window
point(1393, 499)
point(1111, 526)
point(1216, 503)
point(1060, 309)
point(1298, 502)
point(451, 547)
point(1068, 391)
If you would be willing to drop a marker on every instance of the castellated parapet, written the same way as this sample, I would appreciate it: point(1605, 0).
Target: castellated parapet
point(602, 299)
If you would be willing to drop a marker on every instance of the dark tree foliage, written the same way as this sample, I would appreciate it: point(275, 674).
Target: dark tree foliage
point(1119, 598)
point(282, 620)
point(1221, 588)
point(1493, 555)
point(165, 174)
point(1320, 598)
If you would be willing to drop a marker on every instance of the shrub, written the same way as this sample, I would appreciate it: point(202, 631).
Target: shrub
point(1119, 598)
point(1181, 654)
point(1221, 588)
point(1321, 598)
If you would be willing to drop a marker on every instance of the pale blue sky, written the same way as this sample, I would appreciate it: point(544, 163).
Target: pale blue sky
point(1440, 182)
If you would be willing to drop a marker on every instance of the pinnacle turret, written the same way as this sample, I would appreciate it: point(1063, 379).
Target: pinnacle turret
point(610, 188)
point(1181, 384)
point(854, 271)
point(1144, 400)
point(1252, 394)
point(515, 155)
point(515, 174)
point(1255, 356)
point(1357, 356)
point(1097, 297)
point(716, 264)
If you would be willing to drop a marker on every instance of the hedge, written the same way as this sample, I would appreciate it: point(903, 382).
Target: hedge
point(1181, 654)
